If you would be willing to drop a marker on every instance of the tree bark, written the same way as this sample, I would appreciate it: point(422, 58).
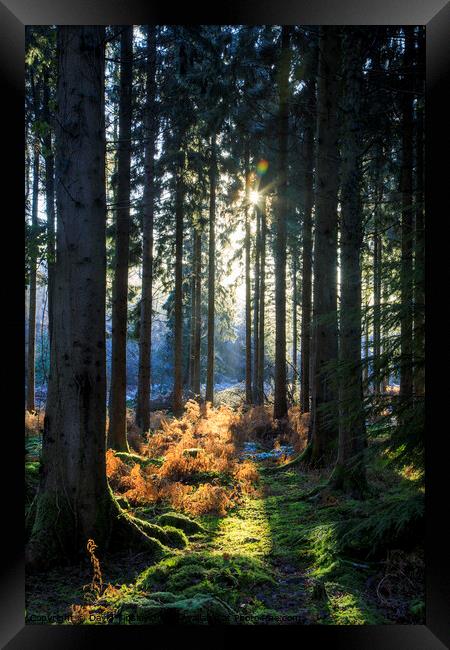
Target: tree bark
point(145, 325)
point(31, 353)
point(178, 308)
point(262, 292)
point(419, 242)
point(74, 502)
point(197, 312)
point(280, 399)
point(366, 322)
point(191, 361)
point(406, 187)
point(211, 274)
point(248, 313)
point(117, 435)
point(256, 292)
point(50, 202)
point(305, 340)
point(377, 259)
point(349, 472)
point(294, 324)
point(324, 416)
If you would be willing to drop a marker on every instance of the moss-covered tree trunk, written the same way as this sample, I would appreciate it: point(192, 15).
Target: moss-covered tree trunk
point(74, 502)
point(349, 472)
point(145, 325)
point(117, 434)
point(280, 398)
point(324, 420)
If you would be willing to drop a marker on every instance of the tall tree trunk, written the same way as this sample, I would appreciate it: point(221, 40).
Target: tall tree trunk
point(197, 312)
point(117, 432)
point(280, 401)
point(308, 161)
point(178, 308)
point(191, 361)
point(31, 354)
point(145, 326)
point(74, 502)
point(294, 324)
point(419, 243)
point(406, 269)
point(349, 472)
point(377, 258)
point(365, 372)
point(256, 291)
point(262, 291)
point(324, 420)
point(248, 313)
point(211, 273)
point(50, 202)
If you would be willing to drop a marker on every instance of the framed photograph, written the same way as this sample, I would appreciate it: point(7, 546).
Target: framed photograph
point(224, 322)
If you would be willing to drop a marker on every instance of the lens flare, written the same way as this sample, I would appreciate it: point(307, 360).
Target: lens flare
point(262, 167)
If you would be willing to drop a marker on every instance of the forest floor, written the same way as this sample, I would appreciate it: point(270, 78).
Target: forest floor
point(249, 546)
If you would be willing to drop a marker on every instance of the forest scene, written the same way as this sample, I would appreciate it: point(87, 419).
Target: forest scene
point(225, 325)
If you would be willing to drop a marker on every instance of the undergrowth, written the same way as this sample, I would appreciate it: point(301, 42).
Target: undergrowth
point(249, 546)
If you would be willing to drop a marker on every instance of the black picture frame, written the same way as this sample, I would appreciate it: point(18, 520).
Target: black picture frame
point(14, 15)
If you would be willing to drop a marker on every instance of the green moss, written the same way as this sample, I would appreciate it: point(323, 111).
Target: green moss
point(349, 609)
point(180, 521)
point(176, 538)
point(417, 609)
point(123, 502)
point(33, 445)
point(293, 550)
point(131, 459)
point(230, 578)
point(51, 536)
point(129, 532)
point(32, 469)
point(201, 609)
point(246, 531)
point(167, 535)
point(31, 484)
point(164, 597)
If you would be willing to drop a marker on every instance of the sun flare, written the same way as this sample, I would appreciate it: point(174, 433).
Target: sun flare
point(254, 196)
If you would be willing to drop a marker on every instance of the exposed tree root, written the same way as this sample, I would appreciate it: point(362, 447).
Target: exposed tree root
point(127, 533)
point(55, 540)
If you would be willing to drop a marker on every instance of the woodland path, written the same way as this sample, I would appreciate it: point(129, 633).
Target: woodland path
point(259, 528)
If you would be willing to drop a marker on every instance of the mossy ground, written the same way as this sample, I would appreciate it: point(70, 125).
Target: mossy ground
point(277, 557)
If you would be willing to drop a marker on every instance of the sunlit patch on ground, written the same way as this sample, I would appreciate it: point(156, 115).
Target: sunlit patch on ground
point(245, 531)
